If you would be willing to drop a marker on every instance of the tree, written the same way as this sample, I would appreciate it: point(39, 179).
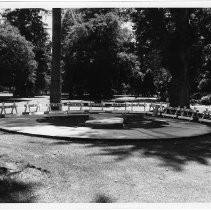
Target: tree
point(205, 83)
point(177, 59)
point(55, 88)
point(98, 53)
point(177, 37)
point(43, 71)
point(128, 74)
point(30, 24)
point(148, 84)
point(16, 61)
point(162, 78)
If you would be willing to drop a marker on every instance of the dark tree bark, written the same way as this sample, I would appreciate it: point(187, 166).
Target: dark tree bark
point(55, 88)
point(179, 88)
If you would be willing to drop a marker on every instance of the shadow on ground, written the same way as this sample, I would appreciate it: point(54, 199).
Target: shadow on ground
point(12, 191)
point(146, 124)
point(72, 120)
point(102, 199)
point(79, 120)
point(63, 121)
point(173, 153)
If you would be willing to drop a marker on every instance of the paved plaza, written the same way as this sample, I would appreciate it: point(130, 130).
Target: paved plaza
point(63, 126)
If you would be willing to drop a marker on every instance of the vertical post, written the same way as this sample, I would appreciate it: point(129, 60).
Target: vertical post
point(3, 109)
point(26, 105)
point(55, 88)
point(90, 105)
point(48, 107)
point(81, 106)
point(68, 106)
point(102, 104)
point(161, 106)
point(37, 107)
point(14, 107)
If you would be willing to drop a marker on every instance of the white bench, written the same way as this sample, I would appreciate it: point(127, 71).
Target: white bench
point(171, 112)
point(4, 107)
point(155, 109)
point(135, 104)
point(206, 117)
point(54, 105)
point(99, 105)
point(74, 104)
point(188, 114)
point(32, 109)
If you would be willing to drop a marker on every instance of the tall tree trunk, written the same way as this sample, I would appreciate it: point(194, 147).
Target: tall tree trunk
point(179, 89)
point(55, 88)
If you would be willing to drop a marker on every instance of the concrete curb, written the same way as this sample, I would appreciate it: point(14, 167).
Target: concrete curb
point(75, 139)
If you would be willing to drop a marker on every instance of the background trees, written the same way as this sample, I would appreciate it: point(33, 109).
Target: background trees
point(16, 61)
point(178, 39)
point(31, 26)
point(143, 52)
point(166, 54)
point(98, 53)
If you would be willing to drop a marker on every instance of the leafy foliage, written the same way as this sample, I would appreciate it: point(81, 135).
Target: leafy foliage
point(206, 100)
point(16, 61)
point(97, 54)
point(178, 41)
point(167, 53)
point(30, 24)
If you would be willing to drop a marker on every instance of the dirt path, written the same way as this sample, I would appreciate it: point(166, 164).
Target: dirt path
point(44, 170)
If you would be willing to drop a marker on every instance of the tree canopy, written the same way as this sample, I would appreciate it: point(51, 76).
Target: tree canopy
point(16, 61)
point(178, 39)
point(31, 26)
point(97, 53)
point(166, 53)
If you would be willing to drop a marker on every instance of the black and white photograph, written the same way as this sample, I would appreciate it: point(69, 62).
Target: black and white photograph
point(105, 102)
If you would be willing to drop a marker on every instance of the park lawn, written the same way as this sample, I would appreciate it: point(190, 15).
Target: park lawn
point(49, 170)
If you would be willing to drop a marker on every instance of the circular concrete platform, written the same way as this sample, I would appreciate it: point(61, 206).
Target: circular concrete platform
point(66, 126)
point(107, 123)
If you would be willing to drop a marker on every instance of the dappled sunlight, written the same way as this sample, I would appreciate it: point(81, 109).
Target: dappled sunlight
point(114, 106)
point(173, 153)
point(167, 140)
point(49, 130)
